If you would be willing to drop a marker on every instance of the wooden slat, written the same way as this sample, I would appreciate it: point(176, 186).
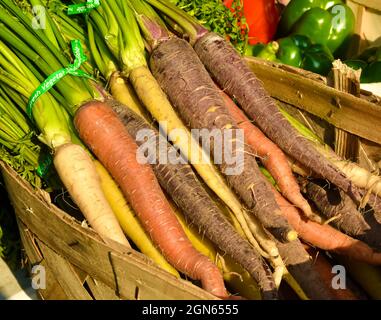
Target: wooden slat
point(100, 291)
point(53, 289)
point(345, 79)
point(121, 271)
point(341, 109)
point(65, 274)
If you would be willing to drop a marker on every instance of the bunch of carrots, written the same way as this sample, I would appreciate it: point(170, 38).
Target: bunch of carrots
point(126, 72)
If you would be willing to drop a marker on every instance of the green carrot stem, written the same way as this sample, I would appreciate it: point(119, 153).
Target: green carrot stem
point(33, 36)
point(7, 106)
point(67, 28)
point(94, 50)
point(46, 64)
point(47, 28)
point(74, 89)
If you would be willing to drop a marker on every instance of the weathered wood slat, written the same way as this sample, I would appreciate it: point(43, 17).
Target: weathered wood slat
point(100, 291)
point(121, 271)
point(345, 79)
point(65, 274)
point(53, 289)
point(341, 109)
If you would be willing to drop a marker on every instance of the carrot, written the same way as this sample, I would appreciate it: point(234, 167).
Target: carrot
point(238, 279)
point(106, 136)
point(128, 220)
point(325, 237)
point(193, 93)
point(359, 176)
point(340, 209)
point(179, 181)
point(122, 91)
point(300, 265)
point(235, 77)
point(272, 158)
point(78, 173)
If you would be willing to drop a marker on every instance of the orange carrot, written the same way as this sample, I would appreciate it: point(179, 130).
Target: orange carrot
point(325, 237)
point(271, 156)
point(105, 135)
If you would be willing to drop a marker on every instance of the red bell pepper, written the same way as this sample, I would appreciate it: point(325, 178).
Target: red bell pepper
point(262, 18)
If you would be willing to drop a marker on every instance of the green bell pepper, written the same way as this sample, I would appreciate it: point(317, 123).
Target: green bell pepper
point(298, 51)
point(302, 42)
point(342, 29)
point(371, 73)
point(315, 24)
point(329, 22)
point(289, 53)
point(318, 59)
point(296, 8)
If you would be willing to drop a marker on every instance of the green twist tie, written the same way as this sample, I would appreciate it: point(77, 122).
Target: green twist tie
point(44, 165)
point(49, 82)
point(82, 8)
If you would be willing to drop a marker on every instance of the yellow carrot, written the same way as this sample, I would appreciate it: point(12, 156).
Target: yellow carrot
point(128, 221)
point(122, 91)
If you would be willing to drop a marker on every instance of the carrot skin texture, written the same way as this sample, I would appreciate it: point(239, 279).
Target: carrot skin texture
point(187, 192)
point(271, 156)
point(100, 128)
point(235, 77)
point(193, 93)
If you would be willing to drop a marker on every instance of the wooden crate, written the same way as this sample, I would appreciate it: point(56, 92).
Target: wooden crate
point(79, 265)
